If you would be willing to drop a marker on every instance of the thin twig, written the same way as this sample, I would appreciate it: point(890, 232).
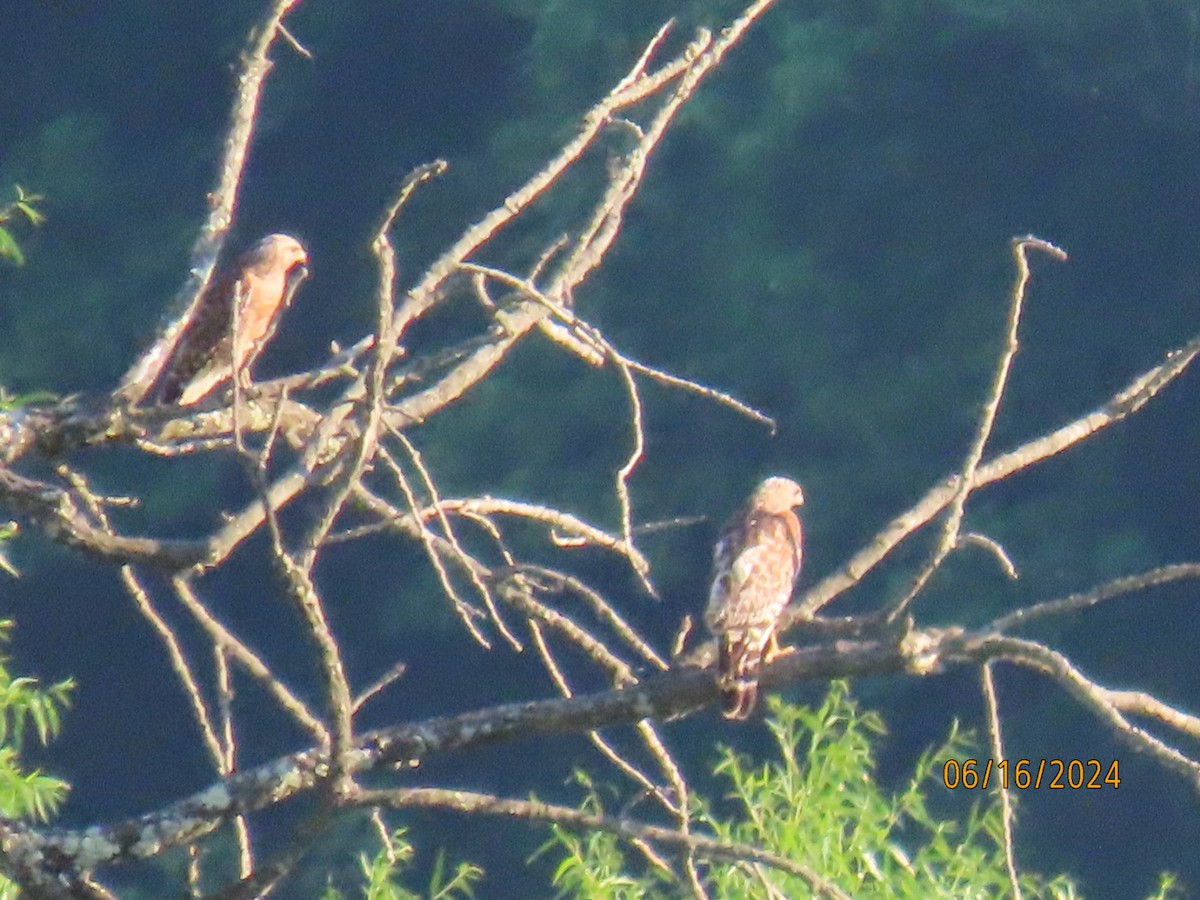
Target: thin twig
point(580, 531)
point(179, 663)
point(1118, 587)
point(379, 685)
point(474, 803)
point(232, 645)
point(966, 478)
point(1006, 804)
point(625, 472)
point(589, 343)
point(601, 607)
point(1091, 695)
point(607, 750)
point(518, 592)
point(481, 587)
point(467, 613)
point(241, 825)
point(1129, 400)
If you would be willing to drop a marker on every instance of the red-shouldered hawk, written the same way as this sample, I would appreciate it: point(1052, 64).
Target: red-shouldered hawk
point(193, 360)
point(756, 562)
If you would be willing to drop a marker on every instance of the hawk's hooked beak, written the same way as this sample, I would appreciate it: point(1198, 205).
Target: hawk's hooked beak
point(291, 281)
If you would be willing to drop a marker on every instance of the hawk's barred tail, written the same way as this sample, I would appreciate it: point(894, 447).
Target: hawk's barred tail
point(738, 677)
point(738, 699)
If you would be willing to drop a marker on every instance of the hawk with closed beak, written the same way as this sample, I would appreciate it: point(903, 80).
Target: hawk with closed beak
point(756, 563)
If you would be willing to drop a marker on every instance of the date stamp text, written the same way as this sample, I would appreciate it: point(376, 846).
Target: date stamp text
point(1032, 774)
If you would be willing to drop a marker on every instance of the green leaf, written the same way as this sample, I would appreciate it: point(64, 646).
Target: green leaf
point(9, 402)
point(9, 249)
point(34, 217)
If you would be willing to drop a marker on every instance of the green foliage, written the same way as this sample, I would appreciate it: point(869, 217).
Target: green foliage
point(23, 702)
point(384, 868)
point(817, 803)
point(9, 530)
point(10, 402)
point(24, 208)
point(30, 794)
point(594, 864)
point(1168, 888)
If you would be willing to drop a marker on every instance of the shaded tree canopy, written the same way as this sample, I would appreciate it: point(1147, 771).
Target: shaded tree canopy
point(500, 424)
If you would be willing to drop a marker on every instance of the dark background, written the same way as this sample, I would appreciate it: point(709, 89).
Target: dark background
point(825, 234)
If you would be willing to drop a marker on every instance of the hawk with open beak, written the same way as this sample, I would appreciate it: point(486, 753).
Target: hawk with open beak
point(226, 329)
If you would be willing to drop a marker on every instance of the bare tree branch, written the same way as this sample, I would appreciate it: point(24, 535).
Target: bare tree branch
point(966, 477)
point(223, 199)
point(1125, 402)
point(332, 455)
point(471, 803)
